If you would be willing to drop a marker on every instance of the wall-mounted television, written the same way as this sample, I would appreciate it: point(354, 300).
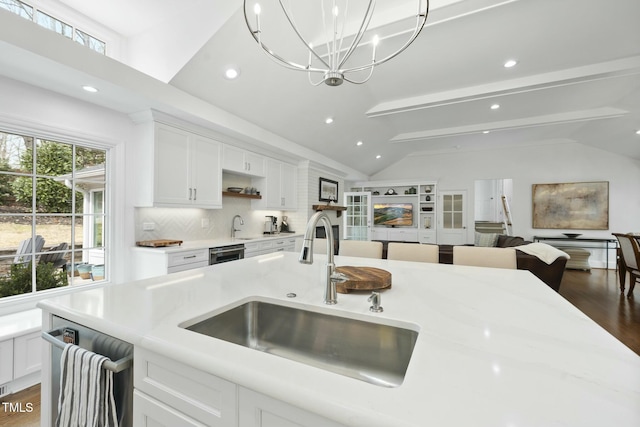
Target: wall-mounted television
point(393, 214)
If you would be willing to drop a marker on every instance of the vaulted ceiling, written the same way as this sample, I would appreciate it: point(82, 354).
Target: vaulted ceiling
point(577, 77)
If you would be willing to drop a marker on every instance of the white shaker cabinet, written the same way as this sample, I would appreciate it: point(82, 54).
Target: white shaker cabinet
point(178, 168)
point(6, 355)
point(243, 162)
point(258, 410)
point(279, 188)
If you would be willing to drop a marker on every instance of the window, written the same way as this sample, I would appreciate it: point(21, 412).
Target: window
point(90, 41)
point(47, 21)
point(52, 214)
point(53, 24)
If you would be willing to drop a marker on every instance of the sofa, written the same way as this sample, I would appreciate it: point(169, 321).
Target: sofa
point(551, 274)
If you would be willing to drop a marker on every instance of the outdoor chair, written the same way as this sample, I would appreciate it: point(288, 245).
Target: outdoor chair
point(55, 256)
point(26, 248)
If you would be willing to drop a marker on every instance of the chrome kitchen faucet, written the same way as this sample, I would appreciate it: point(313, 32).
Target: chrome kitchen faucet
point(306, 255)
point(233, 225)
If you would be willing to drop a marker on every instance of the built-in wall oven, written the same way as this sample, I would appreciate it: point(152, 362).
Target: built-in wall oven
point(225, 254)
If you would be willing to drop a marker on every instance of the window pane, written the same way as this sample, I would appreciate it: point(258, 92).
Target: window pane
point(18, 8)
point(53, 24)
point(447, 220)
point(90, 41)
point(15, 194)
point(15, 235)
point(53, 196)
point(50, 276)
point(54, 229)
point(16, 153)
point(53, 159)
point(15, 279)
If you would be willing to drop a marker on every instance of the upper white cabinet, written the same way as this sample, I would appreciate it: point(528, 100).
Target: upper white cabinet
point(279, 187)
point(243, 162)
point(177, 168)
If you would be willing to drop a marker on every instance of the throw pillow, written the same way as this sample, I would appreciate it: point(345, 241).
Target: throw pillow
point(486, 239)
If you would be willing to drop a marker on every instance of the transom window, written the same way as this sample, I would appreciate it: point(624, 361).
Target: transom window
point(53, 215)
point(54, 24)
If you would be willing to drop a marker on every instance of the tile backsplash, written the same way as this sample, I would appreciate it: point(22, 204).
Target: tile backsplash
point(201, 224)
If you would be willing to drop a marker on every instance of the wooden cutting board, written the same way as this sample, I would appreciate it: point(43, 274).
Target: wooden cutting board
point(363, 279)
point(160, 243)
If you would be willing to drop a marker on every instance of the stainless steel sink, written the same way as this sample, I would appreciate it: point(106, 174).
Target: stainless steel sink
point(372, 352)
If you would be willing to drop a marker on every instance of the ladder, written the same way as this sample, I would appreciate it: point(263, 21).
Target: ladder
point(508, 226)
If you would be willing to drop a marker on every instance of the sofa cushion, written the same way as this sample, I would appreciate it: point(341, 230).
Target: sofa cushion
point(486, 239)
point(510, 241)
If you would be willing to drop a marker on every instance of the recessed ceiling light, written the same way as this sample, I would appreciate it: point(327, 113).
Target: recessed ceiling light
point(378, 156)
point(638, 132)
point(510, 63)
point(359, 143)
point(89, 88)
point(231, 73)
point(495, 106)
point(328, 120)
point(485, 131)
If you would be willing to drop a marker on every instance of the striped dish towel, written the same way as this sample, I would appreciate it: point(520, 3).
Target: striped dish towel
point(86, 390)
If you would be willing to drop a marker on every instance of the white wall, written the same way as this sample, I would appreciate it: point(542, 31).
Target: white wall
point(568, 162)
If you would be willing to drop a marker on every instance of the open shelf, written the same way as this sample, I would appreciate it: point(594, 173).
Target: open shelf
point(241, 195)
point(338, 209)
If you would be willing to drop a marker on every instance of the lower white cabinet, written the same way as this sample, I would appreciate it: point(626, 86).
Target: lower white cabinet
point(258, 410)
point(170, 394)
point(6, 355)
point(206, 399)
point(149, 412)
point(252, 249)
point(27, 354)
point(148, 263)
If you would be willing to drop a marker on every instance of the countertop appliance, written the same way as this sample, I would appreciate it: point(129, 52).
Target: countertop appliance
point(225, 254)
point(120, 353)
point(271, 224)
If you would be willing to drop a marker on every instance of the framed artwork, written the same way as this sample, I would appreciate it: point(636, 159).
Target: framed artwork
point(328, 191)
point(571, 205)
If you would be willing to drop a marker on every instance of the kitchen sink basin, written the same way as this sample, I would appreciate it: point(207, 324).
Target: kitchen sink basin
point(376, 353)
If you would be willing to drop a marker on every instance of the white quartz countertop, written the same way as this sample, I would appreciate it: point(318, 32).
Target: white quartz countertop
point(495, 347)
point(213, 243)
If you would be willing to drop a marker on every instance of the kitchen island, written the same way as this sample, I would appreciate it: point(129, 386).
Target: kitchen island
point(495, 347)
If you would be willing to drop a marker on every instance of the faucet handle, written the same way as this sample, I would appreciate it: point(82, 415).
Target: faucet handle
point(338, 277)
point(375, 299)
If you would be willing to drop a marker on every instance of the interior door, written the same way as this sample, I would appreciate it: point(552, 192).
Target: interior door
point(357, 217)
point(452, 224)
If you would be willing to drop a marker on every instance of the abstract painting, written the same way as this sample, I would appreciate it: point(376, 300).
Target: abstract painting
point(571, 205)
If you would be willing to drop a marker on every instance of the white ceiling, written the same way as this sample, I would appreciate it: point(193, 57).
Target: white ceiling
point(577, 80)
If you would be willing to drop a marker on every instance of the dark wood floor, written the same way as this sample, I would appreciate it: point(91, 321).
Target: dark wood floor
point(595, 293)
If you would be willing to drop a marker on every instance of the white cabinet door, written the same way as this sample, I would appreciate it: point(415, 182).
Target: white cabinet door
point(205, 398)
point(148, 412)
point(6, 367)
point(172, 169)
point(187, 169)
point(258, 410)
point(288, 186)
point(243, 162)
point(254, 163)
point(27, 351)
point(206, 172)
point(280, 187)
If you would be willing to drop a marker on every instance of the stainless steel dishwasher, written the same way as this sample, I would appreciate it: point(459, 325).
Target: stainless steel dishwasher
point(120, 353)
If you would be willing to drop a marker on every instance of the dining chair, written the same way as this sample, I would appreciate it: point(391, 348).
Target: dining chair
point(361, 248)
point(485, 257)
point(630, 249)
point(413, 252)
point(319, 246)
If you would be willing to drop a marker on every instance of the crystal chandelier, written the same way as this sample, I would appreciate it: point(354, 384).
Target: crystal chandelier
point(341, 36)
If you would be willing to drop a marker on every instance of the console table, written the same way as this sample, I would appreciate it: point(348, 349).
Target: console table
point(580, 242)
